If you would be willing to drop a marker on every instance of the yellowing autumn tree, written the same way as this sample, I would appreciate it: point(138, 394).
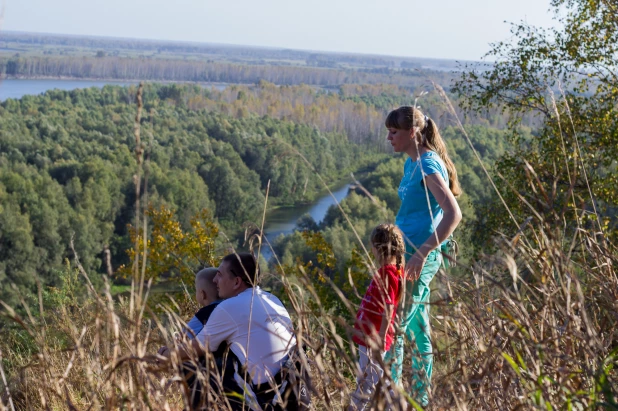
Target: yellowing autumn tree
point(170, 251)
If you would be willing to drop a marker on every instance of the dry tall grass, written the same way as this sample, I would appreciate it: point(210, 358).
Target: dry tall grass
point(531, 326)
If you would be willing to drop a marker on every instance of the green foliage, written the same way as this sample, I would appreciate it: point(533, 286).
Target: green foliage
point(318, 270)
point(307, 223)
point(566, 76)
point(66, 167)
point(66, 172)
point(69, 293)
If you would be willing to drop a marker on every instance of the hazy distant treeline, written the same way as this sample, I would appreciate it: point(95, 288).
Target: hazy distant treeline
point(230, 53)
point(120, 68)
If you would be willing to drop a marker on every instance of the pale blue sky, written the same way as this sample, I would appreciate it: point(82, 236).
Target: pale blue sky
point(452, 29)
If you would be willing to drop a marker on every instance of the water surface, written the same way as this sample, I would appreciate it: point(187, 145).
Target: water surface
point(283, 220)
point(17, 88)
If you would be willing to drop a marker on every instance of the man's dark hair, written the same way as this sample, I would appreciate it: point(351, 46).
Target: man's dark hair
point(243, 265)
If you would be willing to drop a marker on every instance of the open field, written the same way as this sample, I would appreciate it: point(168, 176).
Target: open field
point(41, 44)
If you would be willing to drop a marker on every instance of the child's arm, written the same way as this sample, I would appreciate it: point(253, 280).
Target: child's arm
point(194, 326)
point(387, 315)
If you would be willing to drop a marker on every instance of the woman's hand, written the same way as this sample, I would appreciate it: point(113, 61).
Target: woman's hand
point(415, 266)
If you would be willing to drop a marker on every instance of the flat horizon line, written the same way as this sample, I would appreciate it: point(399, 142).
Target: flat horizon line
point(232, 45)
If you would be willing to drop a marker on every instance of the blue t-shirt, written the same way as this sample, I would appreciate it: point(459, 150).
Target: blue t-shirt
point(414, 218)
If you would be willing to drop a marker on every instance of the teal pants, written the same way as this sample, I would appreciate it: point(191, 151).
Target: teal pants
point(416, 327)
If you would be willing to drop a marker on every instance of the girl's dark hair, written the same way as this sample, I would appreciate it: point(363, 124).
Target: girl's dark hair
point(387, 239)
point(245, 266)
point(406, 117)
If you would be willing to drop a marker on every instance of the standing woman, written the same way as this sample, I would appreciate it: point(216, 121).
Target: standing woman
point(428, 215)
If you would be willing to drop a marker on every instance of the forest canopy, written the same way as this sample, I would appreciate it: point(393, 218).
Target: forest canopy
point(67, 163)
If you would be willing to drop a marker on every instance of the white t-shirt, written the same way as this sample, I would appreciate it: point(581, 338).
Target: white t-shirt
point(265, 333)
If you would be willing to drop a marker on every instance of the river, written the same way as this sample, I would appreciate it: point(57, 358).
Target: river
point(283, 220)
point(278, 221)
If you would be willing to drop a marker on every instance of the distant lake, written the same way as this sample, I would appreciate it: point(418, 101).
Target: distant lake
point(14, 88)
point(18, 88)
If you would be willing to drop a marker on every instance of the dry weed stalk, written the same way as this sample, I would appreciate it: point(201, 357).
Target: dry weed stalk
point(533, 329)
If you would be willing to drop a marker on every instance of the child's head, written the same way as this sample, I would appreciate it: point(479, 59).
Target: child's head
point(388, 245)
point(205, 288)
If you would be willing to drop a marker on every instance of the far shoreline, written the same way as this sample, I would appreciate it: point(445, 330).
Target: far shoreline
point(115, 80)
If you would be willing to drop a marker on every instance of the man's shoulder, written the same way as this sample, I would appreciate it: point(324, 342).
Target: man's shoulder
point(248, 297)
point(236, 302)
point(252, 296)
point(266, 296)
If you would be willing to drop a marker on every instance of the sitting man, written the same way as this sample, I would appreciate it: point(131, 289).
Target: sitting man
point(258, 330)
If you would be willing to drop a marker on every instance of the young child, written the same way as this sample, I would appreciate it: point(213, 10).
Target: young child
point(374, 326)
point(207, 298)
